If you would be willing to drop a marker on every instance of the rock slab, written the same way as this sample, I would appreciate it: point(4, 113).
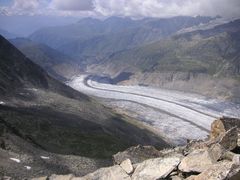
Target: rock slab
point(110, 173)
point(155, 168)
point(201, 159)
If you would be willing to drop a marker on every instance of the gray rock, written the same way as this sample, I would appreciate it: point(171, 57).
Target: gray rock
point(229, 139)
point(6, 178)
point(238, 143)
point(201, 159)
point(40, 178)
point(176, 178)
point(226, 131)
point(191, 177)
point(174, 173)
point(110, 173)
point(136, 154)
point(156, 168)
point(219, 171)
point(236, 159)
point(228, 155)
point(60, 177)
point(127, 166)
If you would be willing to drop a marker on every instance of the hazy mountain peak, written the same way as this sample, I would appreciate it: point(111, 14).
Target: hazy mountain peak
point(7, 34)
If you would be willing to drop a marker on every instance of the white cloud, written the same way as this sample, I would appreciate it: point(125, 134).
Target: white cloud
point(25, 5)
point(133, 8)
point(166, 8)
point(22, 7)
point(73, 5)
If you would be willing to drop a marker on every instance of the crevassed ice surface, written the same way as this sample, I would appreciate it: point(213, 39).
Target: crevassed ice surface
point(176, 115)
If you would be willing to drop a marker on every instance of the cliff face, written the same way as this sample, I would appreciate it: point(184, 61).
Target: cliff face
point(215, 158)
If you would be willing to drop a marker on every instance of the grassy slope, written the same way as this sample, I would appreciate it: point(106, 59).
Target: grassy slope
point(214, 54)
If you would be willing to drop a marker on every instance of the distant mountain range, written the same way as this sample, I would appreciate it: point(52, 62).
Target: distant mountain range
point(94, 39)
point(208, 57)
point(215, 51)
point(171, 53)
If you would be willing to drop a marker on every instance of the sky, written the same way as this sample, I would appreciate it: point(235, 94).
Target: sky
point(132, 8)
point(17, 13)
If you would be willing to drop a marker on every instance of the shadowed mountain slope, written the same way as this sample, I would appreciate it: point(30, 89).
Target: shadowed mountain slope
point(56, 118)
point(54, 62)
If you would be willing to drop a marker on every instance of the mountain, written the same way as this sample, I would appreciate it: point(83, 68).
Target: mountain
point(94, 39)
point(24, 25)
point(54, 62)
point(7, 34)
point(41, 116)
point(210, 57)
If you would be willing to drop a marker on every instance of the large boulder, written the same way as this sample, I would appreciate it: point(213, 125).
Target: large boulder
point(219, 171)
point(226, 131)
point(110, 173)
point(229, 139)
point(40, 178)
point(201, 159)
point(136, 154)
point(60, 177)
point(156, 168)
point(127, 166)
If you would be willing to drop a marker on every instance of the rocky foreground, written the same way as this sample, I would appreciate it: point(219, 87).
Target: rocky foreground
point(215, 158)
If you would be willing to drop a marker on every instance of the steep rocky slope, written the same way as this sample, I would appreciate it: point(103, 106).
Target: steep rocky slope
point(7, 34)
point(54, 62)
point(50, 117)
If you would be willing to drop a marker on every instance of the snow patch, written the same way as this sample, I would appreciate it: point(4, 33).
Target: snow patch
point(28, 167)
point(44, 157)
point(16, 160)
point(2, 103)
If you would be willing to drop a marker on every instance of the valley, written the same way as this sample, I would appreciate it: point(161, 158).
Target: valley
point(121, 91)
point(40, 116)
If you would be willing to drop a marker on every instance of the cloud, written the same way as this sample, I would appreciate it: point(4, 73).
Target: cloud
point(73, 5)
point(132, 8)
point(166, 8)
point(25, 5)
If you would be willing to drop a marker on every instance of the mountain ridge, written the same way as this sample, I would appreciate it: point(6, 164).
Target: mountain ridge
point(54, 62)
point(90, 37)
point(209, 57)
